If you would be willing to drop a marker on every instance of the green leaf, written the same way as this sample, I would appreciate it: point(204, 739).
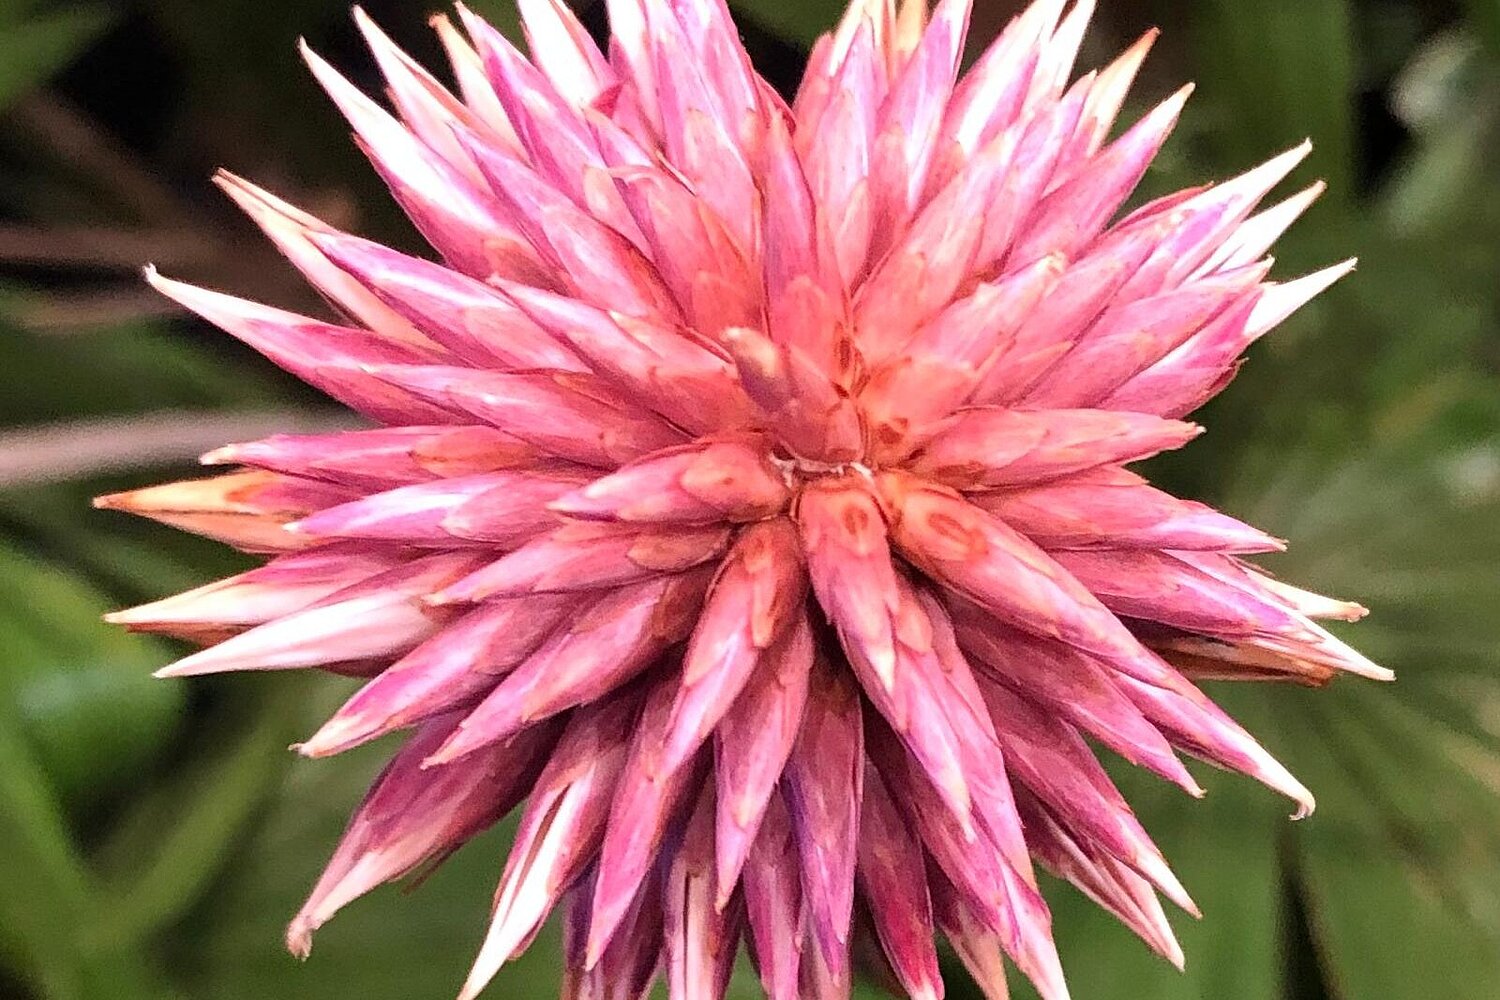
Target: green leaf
point(1424, 951)
point(1485, 15)
point(130, 368)
point(800, 23)
point(180, 836)
point(503, 15)
point(247, 99)
point(34, 49)
point(1398, 868)
point(81, 690)
point(1280, 71)
point(1387, 863)
point(46, 900)
point(44, 885)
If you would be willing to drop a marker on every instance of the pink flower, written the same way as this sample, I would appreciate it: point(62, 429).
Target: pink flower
point(746, 494)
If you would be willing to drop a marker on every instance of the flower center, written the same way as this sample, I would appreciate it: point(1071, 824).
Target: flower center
point(796, 470)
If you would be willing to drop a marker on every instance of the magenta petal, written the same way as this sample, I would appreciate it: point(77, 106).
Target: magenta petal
point(331, 358)
point(383, 615)
point(1162, 587)
point(849, 562)
point(823, 784)
point(977, 946)
point(1087, 512)
point(716, 480)
point(1102, 878)
point(455, 667)
point(949, 358)
point(992, 446)
point(560, 831)
point(295, 233)
point(774, 903)
point(564, 51)
point(701, 937)
point(652, 361)
point(566, 414)
point(468, 317)
point(1200, 728)
point(587, 557)
point(1076, 688)
point(755, 598)
point(1056, 765)
point(1130, 338)
point(754, 741)
point(627, 968)
point(912, 702)
point(893, 878)
point(283, 586)
point(442, 513)
point(448, 208)
point(1003, 902)
point(412, 816)
point(815, 416)
point(381, 458)
point(1075, 212)
point(249, 510)
point(602, 647)
point(650, 800)
point(985, 560)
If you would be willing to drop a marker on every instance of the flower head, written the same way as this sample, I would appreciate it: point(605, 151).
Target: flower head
point(745, 492)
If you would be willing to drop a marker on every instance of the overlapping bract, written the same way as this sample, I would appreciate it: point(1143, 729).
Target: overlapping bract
point(746, 495)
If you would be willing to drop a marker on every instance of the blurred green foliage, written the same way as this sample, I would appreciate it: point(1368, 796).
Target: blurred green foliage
point(154, 837)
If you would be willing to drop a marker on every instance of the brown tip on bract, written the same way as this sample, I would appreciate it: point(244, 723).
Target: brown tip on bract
point(299, 939)
point(124, 500)
point(330, 739)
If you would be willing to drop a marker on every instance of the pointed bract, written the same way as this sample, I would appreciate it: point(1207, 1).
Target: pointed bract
point(893, 878)
point(560, 831)
point(410, 817)
point(753, 742)
point(774, 903)
point(823, 783)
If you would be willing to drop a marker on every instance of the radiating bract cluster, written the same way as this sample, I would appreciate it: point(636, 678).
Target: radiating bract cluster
point(746, 495)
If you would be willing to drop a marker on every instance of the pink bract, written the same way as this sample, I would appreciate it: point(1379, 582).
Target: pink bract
point(744, 492)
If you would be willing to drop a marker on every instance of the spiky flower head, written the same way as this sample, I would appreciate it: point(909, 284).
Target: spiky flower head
point(746, 492)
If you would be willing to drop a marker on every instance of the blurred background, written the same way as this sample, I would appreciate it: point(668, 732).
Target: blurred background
point(154, 836)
